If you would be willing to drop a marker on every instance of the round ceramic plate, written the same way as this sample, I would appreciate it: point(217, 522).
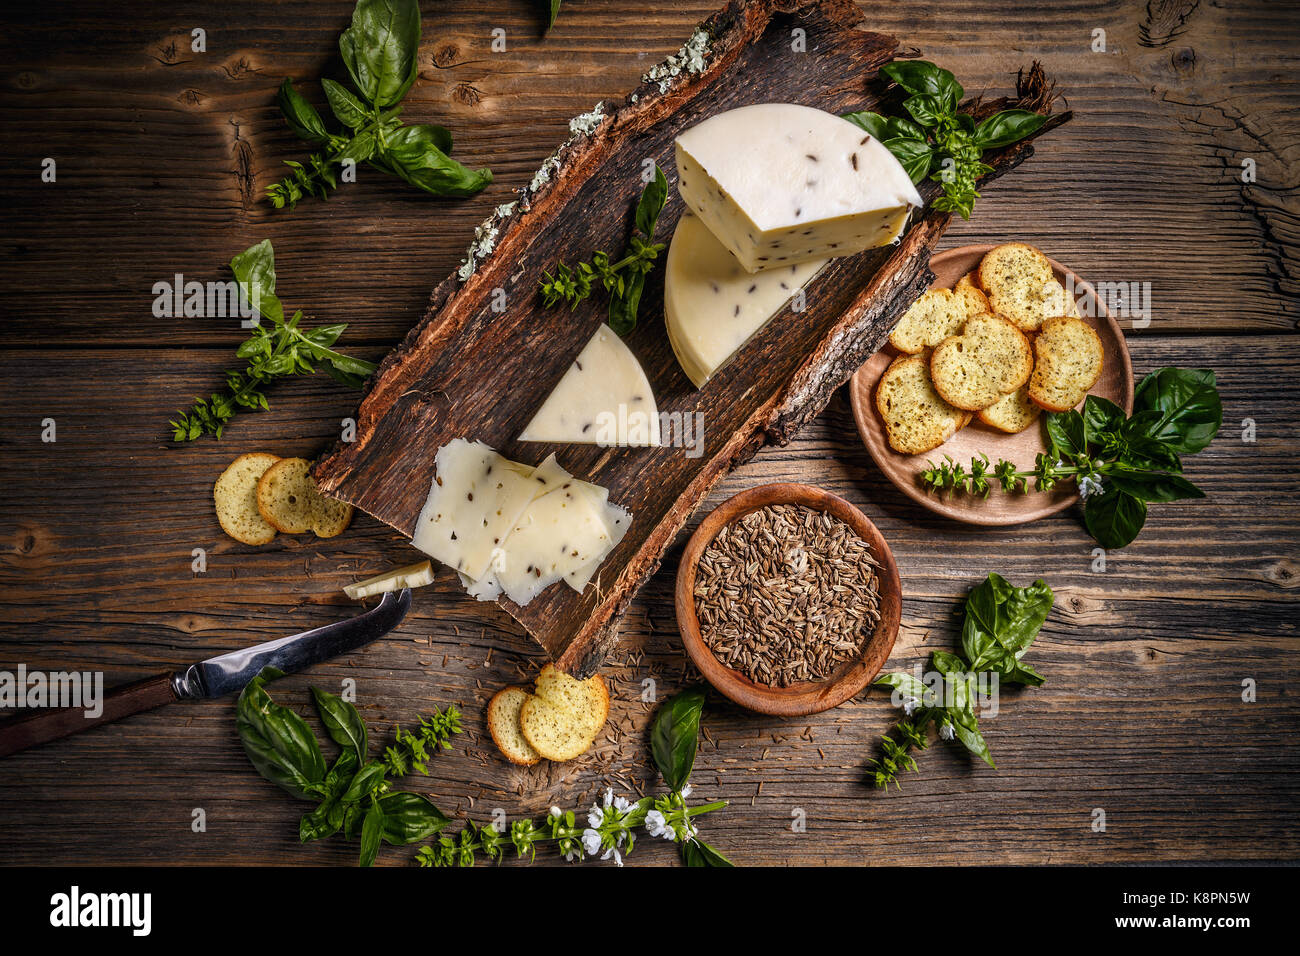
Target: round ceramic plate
point(1116, 384)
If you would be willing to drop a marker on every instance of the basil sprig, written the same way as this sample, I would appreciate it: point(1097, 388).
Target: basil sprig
point(1001, 622)
point(354, 795)
point(277, 348)
point(623, 279)
point(939, 141)
point(674, 740)
point(380, 51)
point(611, 826)
point(1120, 462)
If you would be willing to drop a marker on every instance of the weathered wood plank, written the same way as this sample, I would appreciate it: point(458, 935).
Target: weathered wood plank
point(1141, 715)
point(160, 148)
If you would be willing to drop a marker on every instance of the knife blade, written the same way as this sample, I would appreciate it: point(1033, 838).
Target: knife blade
point(215, 677)
point(229, 673)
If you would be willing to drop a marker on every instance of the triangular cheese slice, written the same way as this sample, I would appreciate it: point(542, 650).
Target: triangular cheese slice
point(603, 399)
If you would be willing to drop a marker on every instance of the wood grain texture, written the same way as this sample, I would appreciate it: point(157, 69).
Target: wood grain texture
point(155, 141)
point(487, 353)
point(1142, 713)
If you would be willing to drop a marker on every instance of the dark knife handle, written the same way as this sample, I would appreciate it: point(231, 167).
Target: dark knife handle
point(41, 726)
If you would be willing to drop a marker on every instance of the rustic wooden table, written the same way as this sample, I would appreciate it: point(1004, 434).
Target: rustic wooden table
point(162, 155)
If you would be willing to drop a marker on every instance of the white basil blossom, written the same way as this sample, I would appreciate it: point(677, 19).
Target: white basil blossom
point(947, 731)
point(595, 817)
point(909, 705)
point(656, 825)
point(618, 857)
point(686, 791)
point(1089, 485)
point(590, 841)
point(556, 813)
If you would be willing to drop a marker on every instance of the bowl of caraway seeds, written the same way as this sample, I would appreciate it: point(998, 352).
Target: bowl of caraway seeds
point(788, 599)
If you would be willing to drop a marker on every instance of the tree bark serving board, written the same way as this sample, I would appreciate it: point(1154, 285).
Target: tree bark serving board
point(486, 354)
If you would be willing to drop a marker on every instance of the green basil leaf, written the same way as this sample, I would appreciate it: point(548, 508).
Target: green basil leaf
point(900, 127)
point(350, 379)
point(1153, 486)
point(674, 736)
point(316, 825)
point(651, 203)
point(254, 270)
point(946, 663)
point(916, 155)
point(420, 134)
point(623, 307)
point(926, 108)
point(1007, 127)
point(413, 154)
point(369, 777)
point(350, 111)
point(698, 853)
point(922, 76)
point(1001, 622)
point(380, 49)
point(906, 684)
point(1189, 407)
point(409, 818)
point(874, 124)
point(1067, 434)
point(552, 10)
point(326, 335)
point(360, 148)
point(1140, 450)
point(1100, 415)
point(300, 115)
point(327, 819)
point(278, 742)
point(1022, 616)
point(973, 741)
point(372, 831)
point(1114, 517)
point(342, 721)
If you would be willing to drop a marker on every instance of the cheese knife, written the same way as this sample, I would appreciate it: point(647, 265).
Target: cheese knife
point(215, 677)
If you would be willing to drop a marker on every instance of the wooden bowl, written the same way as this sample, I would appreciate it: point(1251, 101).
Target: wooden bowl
point(1116, 384)
point(807, 697)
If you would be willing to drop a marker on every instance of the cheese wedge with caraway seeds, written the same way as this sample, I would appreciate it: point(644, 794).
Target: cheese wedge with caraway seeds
point(712, 306)
point(780, 184)
point(604, 399)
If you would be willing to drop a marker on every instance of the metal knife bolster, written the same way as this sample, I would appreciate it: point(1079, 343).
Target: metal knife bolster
point(230, 673)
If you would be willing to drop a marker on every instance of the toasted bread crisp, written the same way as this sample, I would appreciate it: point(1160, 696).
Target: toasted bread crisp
point(235, 495)
point(933, 317)
point(1011, 413)
point(562, 720)
point(916, 419)
point(969, 281)
point(1069, 359)
point(287, 498)
point(972, 300)
point(1057, 301)
point(503, 724)
point(990, 358)
point(1019, 283)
